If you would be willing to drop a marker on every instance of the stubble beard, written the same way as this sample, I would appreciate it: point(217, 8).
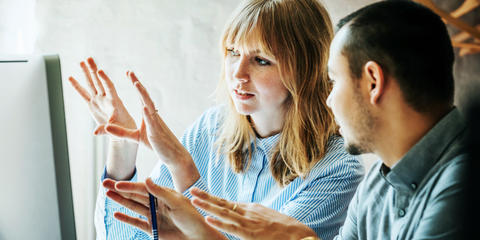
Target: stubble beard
point(364, 125)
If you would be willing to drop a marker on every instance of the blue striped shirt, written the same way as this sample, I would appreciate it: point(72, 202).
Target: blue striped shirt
point(320, 200)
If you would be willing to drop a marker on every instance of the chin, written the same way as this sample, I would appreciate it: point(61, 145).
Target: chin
point(355, 148)
point(243, 109)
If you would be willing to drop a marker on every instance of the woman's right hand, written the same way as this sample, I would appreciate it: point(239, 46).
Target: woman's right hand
point(105, 105)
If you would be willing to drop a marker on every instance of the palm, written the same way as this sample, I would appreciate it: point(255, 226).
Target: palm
point(166, 228)
point(103, 101)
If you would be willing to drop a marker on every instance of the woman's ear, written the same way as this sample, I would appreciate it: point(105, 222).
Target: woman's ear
point(374, 76)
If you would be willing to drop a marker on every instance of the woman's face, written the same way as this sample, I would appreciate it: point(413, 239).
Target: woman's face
point(253, 81)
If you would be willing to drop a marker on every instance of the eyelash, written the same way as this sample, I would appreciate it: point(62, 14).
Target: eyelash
point(232, 52)
point(259, 60)
point(262, 61)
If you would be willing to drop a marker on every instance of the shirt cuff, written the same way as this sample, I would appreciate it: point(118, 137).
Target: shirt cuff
point(109, 203)
point(105, 175)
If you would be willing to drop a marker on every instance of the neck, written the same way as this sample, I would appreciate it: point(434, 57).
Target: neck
point(401, 131)
point(267, 124)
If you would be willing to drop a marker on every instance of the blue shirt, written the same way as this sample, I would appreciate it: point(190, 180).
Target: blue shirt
point(319, 201)
point(420, 197)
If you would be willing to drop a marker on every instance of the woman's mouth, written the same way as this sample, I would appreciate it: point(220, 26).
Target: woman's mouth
point(242, 95)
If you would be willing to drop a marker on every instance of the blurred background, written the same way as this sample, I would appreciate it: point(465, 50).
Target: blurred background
point(172, 45)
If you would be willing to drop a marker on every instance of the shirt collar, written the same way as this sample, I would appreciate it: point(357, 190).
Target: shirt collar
point(410, 170)
point(267, 144)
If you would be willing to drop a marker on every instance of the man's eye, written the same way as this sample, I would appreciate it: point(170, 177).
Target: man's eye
point(262, 61)
point(232, 52)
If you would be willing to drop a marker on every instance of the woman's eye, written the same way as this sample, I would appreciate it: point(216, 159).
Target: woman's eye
point(232, 52)
point(262, 61)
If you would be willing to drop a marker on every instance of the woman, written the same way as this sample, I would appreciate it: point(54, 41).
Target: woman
point(272, 142)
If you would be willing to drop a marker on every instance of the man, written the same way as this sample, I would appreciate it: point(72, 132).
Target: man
point(391, 66)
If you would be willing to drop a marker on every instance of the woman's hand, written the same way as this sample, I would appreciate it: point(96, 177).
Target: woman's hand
point(103, 101)
point(106, 107)
point(155, 134)
point(176, 217)
point(249, 220)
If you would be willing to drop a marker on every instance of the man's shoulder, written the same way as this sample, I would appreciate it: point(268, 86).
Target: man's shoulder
point(450, 174)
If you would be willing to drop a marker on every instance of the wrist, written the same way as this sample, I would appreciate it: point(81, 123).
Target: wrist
point(121, 159)
point(184, 173)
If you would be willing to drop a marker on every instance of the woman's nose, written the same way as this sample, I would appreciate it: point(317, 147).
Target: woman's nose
point(241, 72)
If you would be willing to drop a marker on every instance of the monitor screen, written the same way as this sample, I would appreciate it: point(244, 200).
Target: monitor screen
point(36, 196)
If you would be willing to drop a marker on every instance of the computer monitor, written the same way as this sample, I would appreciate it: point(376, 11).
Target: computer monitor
point(36, 194)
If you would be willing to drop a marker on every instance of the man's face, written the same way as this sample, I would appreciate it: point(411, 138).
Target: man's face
point(349, 104)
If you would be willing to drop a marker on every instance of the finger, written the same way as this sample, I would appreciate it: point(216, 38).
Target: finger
point(136, 222)
point(168, 196)
point(121, 132)
point(113, 185)
point(93, 66)
point(129, 203)
point(151, 121)
point(220, 202)
point(100, 130)
point(84, 67)
point(139, 198)
point(226, 227)
point(85, 95)
point(133, 187)
point(221, 212)
point(109, 183)
point(147, 101)
point(108, 83)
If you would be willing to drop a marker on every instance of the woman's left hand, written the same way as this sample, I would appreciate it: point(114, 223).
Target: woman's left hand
point(176, 217)
point(155, 134)
point(249, 220)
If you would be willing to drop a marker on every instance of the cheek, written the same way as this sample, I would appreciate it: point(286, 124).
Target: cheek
point(274, 91)
point(228, 72)
point(271, 87)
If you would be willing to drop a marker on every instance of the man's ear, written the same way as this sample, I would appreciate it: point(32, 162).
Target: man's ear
point(374, 76)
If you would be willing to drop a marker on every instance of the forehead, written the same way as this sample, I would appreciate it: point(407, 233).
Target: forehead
point(336, 60)
point(249, 44)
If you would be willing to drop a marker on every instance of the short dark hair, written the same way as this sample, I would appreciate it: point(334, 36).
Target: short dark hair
point(410, 43)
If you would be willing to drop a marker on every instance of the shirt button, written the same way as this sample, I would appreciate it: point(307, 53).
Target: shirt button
point(401, 212)
point(414, 186)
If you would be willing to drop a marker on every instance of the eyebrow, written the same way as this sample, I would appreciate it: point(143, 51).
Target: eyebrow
point(250, 52)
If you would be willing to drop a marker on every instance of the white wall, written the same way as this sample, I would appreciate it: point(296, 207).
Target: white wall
point(172, 45)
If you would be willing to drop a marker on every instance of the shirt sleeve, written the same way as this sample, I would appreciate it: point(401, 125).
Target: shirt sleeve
point(107, 227)
point(323, 204)
point(442, 218)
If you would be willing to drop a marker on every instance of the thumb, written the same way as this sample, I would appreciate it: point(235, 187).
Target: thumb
point(121, 132)
point(100, 130)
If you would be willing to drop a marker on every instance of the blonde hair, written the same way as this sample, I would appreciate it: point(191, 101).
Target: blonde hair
point(298, 34)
